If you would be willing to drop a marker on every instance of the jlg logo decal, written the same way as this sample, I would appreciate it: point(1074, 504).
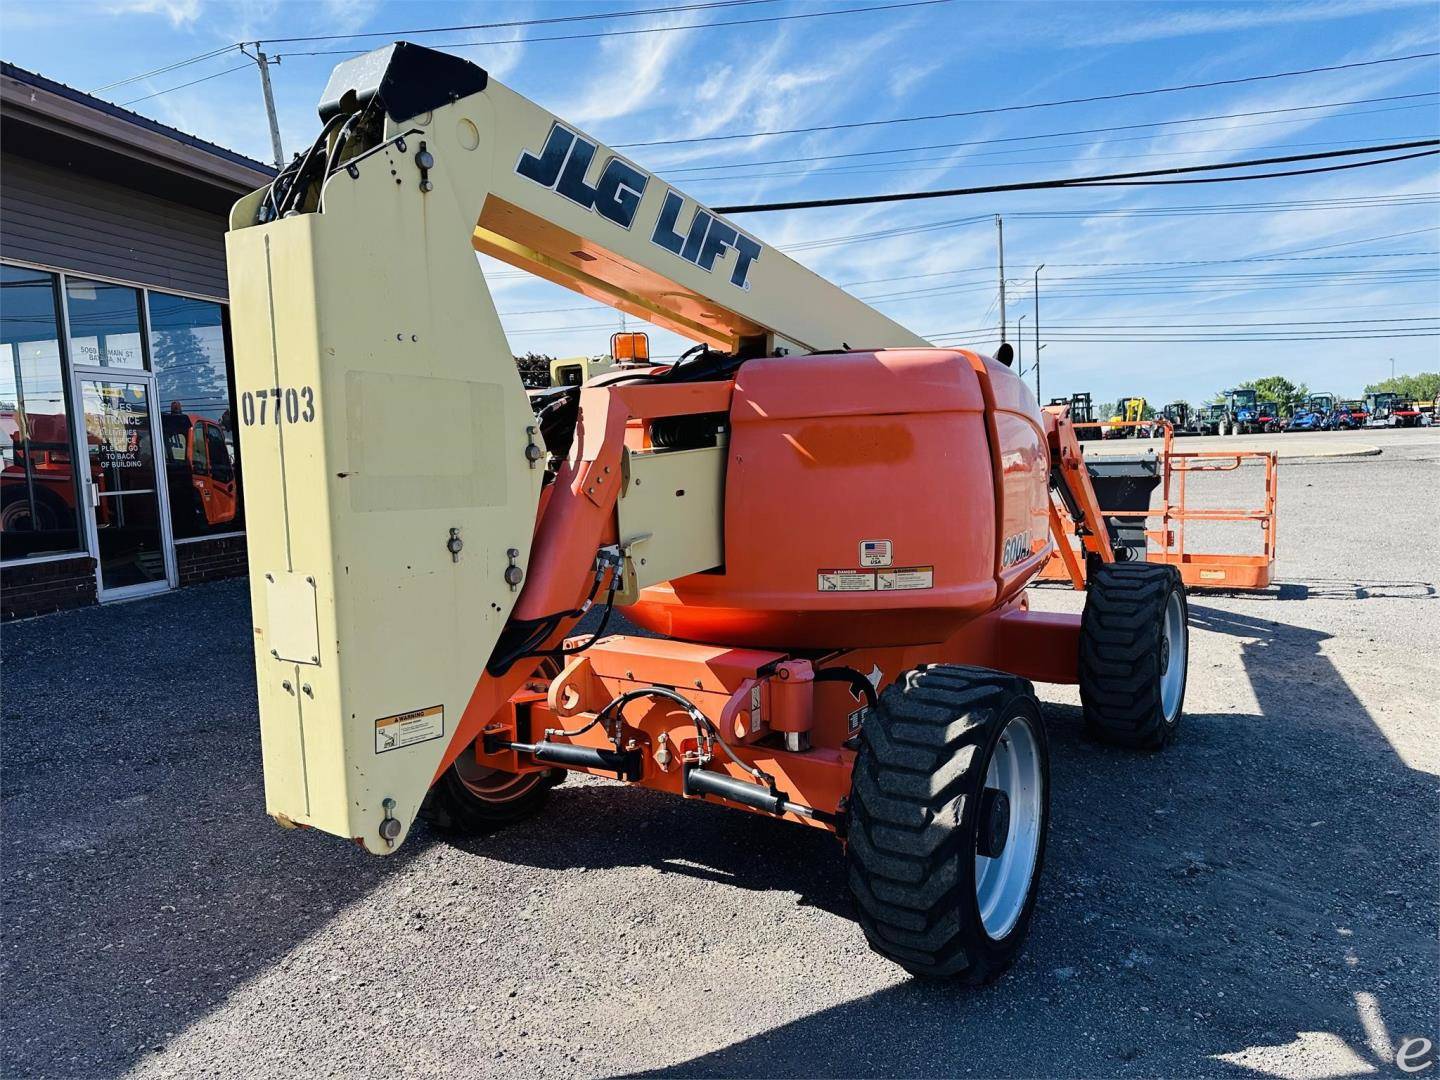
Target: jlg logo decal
point(615, 196)
point(562, 165)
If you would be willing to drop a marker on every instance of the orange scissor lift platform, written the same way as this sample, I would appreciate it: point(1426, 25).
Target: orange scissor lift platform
point(1171, 510)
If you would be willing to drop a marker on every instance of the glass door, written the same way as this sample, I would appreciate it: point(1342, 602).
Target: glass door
point(127, 515)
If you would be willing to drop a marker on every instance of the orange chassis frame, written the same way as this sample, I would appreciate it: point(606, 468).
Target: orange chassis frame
point(759, 700)
point(1202, 570)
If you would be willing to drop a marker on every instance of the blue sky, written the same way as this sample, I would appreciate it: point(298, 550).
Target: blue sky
point(1349, 251)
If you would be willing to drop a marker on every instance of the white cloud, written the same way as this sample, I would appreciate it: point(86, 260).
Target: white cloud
point(1189, 21)
point(178, 12)
point(347, 16)
point(630, 78)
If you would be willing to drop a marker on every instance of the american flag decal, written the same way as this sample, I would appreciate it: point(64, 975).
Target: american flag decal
point(876, 552)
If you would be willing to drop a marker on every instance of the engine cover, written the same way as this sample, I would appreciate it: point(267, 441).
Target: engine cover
point(871, 498)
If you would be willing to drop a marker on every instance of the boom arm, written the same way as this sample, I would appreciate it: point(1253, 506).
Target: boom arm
point(393, 463)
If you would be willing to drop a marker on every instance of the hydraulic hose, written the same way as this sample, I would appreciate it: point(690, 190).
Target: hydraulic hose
point(856, 680)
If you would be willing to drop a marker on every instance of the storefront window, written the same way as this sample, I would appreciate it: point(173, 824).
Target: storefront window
point(104, 324)
point(187, 353)
point(38, 494)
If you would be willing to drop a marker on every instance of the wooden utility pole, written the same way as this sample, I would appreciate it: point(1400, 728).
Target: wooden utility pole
point(264, 63)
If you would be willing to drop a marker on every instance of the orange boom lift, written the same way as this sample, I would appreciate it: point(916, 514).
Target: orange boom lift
point(823, 549)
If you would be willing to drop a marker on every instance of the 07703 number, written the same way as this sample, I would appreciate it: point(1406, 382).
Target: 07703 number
point(290, 404)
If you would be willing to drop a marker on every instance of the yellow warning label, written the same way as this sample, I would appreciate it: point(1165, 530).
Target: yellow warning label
point(905, 577)
point(408, 728)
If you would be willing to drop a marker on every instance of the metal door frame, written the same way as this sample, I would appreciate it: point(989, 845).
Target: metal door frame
point(90, 500)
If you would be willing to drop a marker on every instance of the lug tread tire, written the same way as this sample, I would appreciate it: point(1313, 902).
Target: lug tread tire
point(911, 840)
point(1119, 653)
point(451, 807)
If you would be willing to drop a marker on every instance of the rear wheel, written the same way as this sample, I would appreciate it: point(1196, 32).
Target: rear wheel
point(472, 799)
point(948, 816)
point(1134, 651)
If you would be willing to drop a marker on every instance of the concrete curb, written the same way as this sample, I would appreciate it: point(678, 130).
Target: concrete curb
point(1296, 453)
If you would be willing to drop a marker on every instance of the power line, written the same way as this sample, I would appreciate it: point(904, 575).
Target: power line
point(1057, 327)
point(651, 29)
point(987, 269)
point(204, 78)
point(1038, 104)
point(1193, 210)
point(1337, 335)
point(923, 164)
point(592, 17)
point(1107, 179)
point(1093, 131)
point(1405, 198)
point(167, 68)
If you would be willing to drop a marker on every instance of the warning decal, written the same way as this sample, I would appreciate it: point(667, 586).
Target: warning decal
point(845, 580)
point(905, 577)
point(407, 729)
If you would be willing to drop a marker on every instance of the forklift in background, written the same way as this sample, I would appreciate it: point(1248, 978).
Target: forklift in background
point(1125, 424)
point(1082, 411)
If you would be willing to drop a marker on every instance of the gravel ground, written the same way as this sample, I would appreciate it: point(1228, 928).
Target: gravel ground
point(1260, 899)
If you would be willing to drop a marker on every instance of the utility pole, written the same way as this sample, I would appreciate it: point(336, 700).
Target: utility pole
point(1020, 345)
point(1000, 233)
point(1037, 330)
point(264, 62)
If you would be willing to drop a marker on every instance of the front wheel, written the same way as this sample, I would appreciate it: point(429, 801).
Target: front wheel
point(949, 810)
point(1134, 653)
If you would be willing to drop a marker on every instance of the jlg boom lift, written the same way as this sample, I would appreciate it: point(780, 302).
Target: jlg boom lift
point(823, 525)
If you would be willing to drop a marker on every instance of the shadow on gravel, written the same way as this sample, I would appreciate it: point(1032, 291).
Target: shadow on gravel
point(142, 880)
point(1346, 589)
point(1232, 894)
point(616, 826)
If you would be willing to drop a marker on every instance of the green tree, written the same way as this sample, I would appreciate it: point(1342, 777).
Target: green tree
point(1278, 388)
point(534, 370)
point(1422, 387)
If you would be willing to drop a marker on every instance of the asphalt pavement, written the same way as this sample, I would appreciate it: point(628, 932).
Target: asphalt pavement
point(1258, 900)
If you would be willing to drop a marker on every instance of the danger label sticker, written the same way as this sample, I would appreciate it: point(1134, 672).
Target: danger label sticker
point(408, 728)
point(905, 577)
point(845, 580)
point(876, 553)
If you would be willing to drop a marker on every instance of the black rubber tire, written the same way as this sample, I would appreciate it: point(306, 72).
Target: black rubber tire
point(451, 806)
point(914, 817)
point(1121, 659)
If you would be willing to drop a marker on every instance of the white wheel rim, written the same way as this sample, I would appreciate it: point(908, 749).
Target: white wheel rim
point(1002, 884)
point(1174, 648)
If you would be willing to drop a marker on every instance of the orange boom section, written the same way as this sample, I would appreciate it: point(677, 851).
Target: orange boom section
point(862, 505)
